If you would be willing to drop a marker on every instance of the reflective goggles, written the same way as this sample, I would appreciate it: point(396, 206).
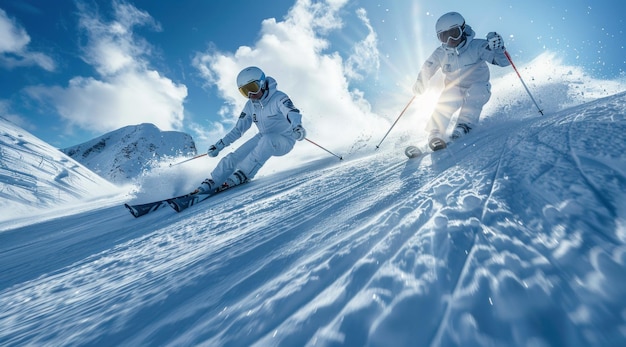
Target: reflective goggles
point(450, 34)
point(253, 87)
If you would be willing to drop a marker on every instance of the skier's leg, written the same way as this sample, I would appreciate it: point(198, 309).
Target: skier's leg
point(476, 96)
point(270, 145)
point(229, 163)
point(449, 101)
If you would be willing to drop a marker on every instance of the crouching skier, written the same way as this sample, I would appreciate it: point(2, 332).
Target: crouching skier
point(279, 123)
point(463, 60)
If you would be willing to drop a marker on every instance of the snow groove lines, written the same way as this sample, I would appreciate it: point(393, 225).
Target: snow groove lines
point(35, 176)
point(355, 257)
point(492, 185)
point(16, 178)
point(343, 237)
point(605, 181)
point(448, 299)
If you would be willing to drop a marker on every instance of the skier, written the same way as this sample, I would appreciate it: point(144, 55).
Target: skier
point(463, 60)
point(279, 123)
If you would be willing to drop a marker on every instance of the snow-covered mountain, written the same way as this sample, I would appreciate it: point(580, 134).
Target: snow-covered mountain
point(124, 154)
point(35, 175)
point(515, 236)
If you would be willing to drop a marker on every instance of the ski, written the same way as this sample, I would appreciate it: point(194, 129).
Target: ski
point(178, 203)
point(143, 209)
point(412, 152)
point(184, 202)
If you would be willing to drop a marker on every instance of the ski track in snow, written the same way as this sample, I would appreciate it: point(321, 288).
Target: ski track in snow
point(514, 237)
point(37, 176)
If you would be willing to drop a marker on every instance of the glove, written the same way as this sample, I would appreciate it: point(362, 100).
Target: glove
point(299, 133)
point(418, 87)
point(215, 149)
point(495, 41)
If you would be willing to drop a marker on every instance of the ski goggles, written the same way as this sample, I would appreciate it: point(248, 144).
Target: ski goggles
point(450, 34)
point(253, 88)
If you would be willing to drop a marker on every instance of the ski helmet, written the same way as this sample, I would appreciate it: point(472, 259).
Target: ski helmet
point(250, 80)
point(450, 26)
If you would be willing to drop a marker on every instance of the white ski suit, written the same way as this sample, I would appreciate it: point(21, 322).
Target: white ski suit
point(275, 117)
point(466, 80)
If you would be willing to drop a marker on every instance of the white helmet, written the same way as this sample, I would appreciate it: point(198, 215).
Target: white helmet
point(450, 26)
point(250, 80)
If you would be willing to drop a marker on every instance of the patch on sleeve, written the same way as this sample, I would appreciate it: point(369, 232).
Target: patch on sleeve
point(287, 102)
point(242, 115)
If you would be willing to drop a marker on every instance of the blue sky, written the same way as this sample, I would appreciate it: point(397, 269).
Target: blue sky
point(73, 70)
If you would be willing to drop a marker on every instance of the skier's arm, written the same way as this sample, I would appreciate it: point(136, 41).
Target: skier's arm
point(429, 68)
point(243, 124)
point(286, 107)
point(293, 116)
point(493, 50)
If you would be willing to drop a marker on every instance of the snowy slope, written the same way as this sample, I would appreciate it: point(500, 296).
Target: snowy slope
point(123, 154)
point(516, 237)
point(35, 175)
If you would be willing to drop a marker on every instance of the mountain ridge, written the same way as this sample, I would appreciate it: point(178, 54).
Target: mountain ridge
point(123, 154)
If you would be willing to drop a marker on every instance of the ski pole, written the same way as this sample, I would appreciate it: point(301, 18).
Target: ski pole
point(523, 83)
point(186, 160)
point(340, 158)
point(397, 119)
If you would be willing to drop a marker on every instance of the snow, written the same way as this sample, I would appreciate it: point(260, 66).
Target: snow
point(35, 176)
point(123, 154)
point(514, 236)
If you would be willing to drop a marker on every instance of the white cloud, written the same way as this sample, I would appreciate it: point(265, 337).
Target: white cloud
point(132, 97)
point(112, 47)
point(296, 53)
point(126, 91)
point(14, 50)
point(365, 57)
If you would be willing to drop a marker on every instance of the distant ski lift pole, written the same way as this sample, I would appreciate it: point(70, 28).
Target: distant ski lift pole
point(523, 83)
